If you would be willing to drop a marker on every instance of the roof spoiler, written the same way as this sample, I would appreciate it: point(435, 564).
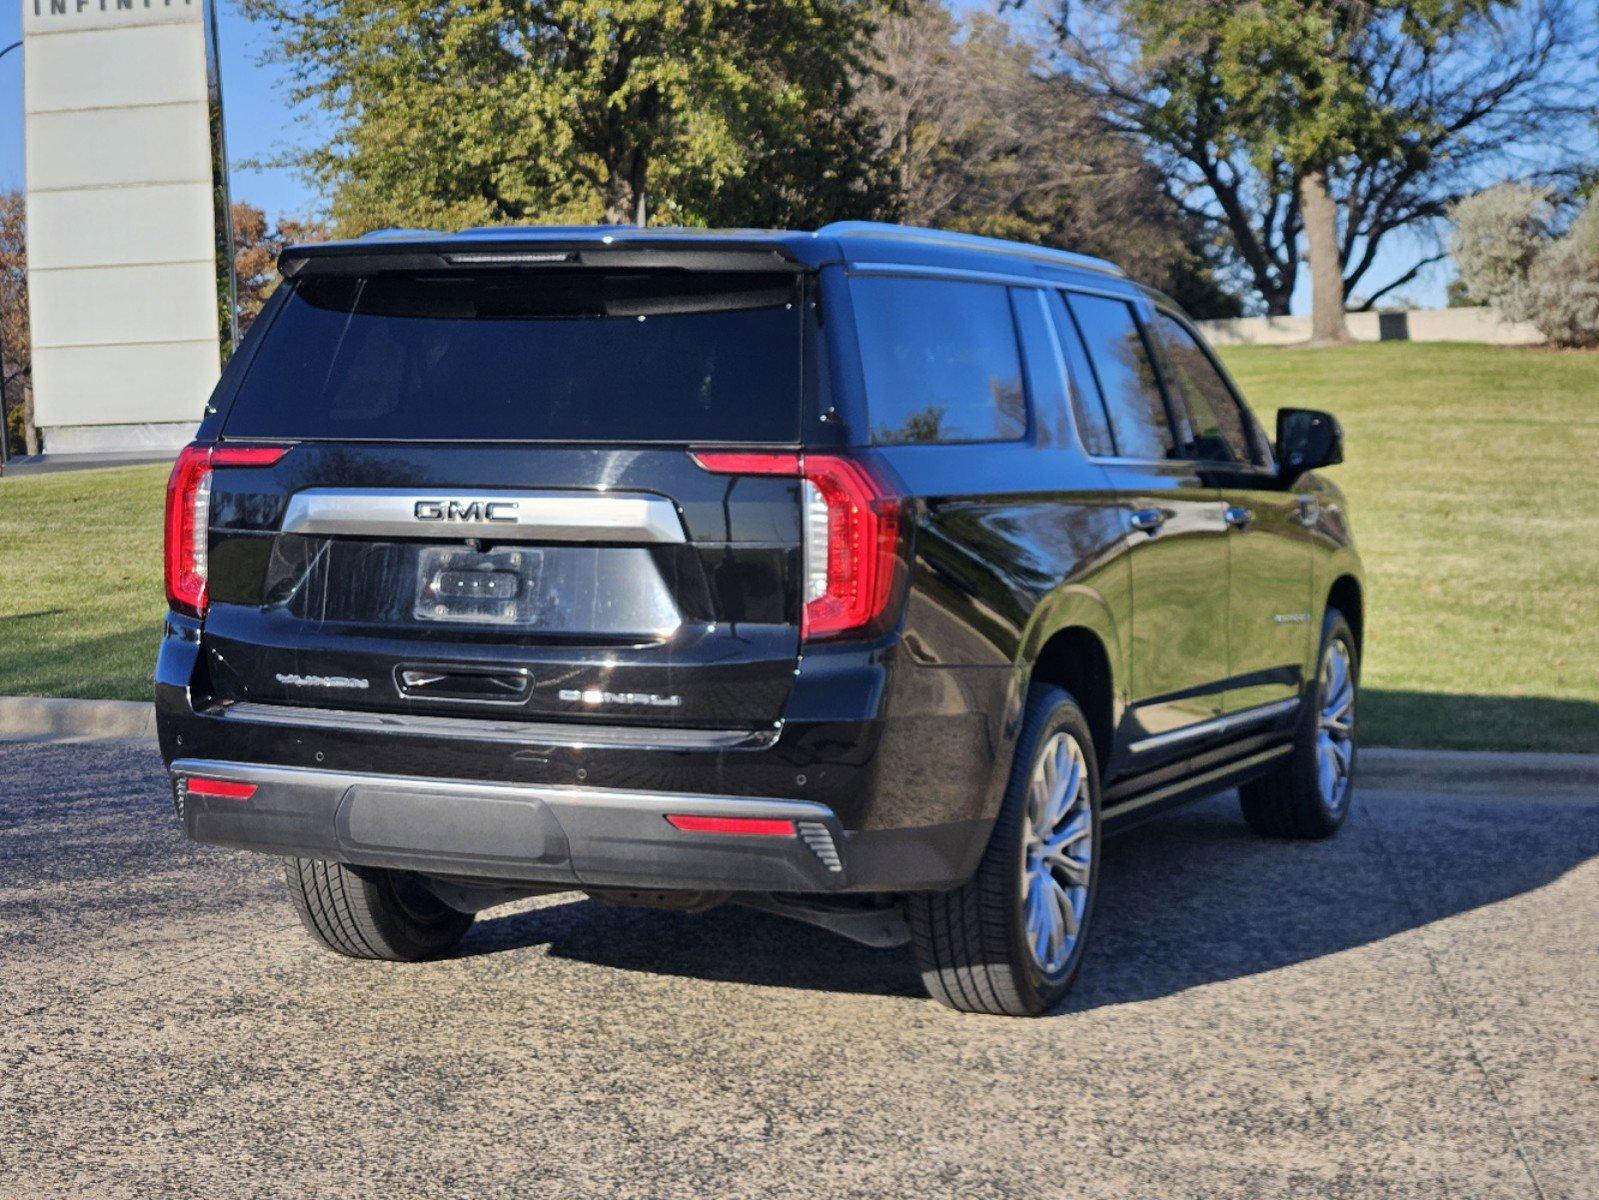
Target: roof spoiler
point(436, 253)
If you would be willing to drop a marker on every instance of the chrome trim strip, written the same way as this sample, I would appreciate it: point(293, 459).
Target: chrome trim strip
point(518, 733)
point(560, 797)
point(500, 515)
point(1237, 720)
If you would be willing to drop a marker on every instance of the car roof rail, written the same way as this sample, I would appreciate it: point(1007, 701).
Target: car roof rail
point(969, 242)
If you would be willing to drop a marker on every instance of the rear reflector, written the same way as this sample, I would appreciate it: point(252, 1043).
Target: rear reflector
point(221, 789)
point(747, 826)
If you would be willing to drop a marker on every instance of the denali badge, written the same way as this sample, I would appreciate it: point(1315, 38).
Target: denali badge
point(323, 681)
point(475, 510)
point(595, 696)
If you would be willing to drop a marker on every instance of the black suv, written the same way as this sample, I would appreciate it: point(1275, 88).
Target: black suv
point(869, 576)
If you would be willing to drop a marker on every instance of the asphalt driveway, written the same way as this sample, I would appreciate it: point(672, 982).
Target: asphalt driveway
point(1411, 1009)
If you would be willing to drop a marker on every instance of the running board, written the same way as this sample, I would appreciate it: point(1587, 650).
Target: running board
point(1140, 806)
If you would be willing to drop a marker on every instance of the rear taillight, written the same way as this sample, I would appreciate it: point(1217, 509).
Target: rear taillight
point(188, 520)
point(851, 529)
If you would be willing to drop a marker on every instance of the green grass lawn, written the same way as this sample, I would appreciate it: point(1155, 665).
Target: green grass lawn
point(81, 599)
point(1473, 474)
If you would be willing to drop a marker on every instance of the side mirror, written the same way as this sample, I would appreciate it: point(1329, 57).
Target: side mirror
point(1306, 439)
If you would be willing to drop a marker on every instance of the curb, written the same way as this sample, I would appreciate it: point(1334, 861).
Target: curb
point(45, 718)
point(1479, 772)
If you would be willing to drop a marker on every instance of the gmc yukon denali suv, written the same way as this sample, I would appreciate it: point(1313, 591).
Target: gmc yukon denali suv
point(870, 576)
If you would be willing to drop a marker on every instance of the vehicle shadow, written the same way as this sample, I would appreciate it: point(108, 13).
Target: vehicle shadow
point(1190, 899)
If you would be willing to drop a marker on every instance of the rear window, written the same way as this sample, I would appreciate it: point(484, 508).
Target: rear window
point(666, 356)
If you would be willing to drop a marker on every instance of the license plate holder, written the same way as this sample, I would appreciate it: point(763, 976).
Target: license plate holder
point(480, 587)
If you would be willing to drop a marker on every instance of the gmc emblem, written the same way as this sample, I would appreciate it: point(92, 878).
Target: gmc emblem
point(476, 510)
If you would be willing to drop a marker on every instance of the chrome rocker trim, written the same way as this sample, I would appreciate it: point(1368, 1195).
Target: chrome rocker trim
point(1216, 725)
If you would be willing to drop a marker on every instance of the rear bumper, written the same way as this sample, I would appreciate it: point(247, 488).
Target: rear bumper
point(557, 835)
point(901, 764)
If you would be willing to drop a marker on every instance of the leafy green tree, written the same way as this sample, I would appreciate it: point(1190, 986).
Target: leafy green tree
point(1335, 121)
point(978, 139)
point(16, 348)
point(700, 112)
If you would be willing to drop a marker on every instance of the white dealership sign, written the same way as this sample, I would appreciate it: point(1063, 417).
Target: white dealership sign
point(123, 190)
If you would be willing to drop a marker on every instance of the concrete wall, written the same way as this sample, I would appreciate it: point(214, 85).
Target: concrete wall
point(1423, 325)
point(121, 222)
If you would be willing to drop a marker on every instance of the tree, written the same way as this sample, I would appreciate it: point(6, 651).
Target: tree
point(1336, 121)
point(256, 247)
point(1516, 252)
point(977, 139)
point(16, 347)
point(706, 111)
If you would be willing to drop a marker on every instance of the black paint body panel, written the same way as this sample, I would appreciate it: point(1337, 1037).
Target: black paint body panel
point(1008, 550)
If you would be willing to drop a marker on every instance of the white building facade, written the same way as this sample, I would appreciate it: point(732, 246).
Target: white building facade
point(125, 191)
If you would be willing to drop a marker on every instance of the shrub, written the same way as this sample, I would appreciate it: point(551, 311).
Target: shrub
point(1512, 254)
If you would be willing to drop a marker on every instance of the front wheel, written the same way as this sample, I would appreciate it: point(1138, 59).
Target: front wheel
point(1011, 939)
point(1308, 795)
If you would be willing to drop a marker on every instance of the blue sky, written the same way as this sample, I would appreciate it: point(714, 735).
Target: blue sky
point(260, 122)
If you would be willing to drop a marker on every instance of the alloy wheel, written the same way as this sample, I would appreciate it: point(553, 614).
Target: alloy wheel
point(1335, 729)
point(1058, 855)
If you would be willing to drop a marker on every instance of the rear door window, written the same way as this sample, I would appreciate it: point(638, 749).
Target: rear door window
point(530, 356)
point(941, 360)
point(1125, 372)
point(1216, 428)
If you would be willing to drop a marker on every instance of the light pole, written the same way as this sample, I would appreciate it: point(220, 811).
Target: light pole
point(5, 429)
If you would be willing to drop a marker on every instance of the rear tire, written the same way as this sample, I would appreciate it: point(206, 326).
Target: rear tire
point(369, 912)
point(1010, 941)
point(1309, 795)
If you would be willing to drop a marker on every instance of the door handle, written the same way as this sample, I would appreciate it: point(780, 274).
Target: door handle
point(1238, 518)
point(1148, 520)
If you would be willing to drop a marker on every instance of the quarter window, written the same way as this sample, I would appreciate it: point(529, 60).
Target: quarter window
point(1215, 429)
point(1126, 376)
point(941, 360)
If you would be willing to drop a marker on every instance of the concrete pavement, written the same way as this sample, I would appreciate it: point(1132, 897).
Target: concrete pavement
point(1409, 1010)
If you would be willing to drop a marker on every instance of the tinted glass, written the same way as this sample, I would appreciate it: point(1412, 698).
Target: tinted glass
point(1215, 430)
point(1088, 405)
point(530, 356)
point(941, 361)
point(1126, 376)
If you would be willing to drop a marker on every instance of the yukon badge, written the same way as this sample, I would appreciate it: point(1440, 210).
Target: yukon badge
point(596, 696)
point(323, 681)
point(470, 511)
